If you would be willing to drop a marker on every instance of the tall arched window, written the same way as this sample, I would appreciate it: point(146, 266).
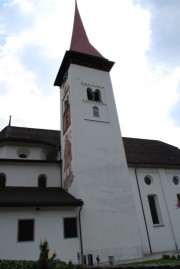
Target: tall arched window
point(97, 95)
point(89, 94)
point(42, 182)
point(2, 180)
point(95, 111)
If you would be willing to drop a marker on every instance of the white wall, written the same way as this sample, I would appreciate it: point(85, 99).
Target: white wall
point(101, 180)
point(10, 151)
point(26, 174)
point(48, 225)
point(163, 237)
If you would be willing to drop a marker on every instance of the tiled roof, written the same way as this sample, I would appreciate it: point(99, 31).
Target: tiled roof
point(150, 152)
point(32, 196)
point(30, 135)
point(138, 151)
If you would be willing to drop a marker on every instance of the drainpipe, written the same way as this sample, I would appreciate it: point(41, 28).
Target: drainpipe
point(149, 242)
point(80, 235)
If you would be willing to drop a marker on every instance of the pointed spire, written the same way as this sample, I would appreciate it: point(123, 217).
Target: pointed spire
point(80, 41)
point(9, 121)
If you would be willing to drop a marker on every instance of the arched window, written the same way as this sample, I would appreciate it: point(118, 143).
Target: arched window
point(89, 94)
point(95, 111)
point(97, 95)
point(42, 182)
point(2, 180)
point(94, 95)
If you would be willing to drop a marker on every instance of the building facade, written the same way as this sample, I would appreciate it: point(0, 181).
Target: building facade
point(86, 190)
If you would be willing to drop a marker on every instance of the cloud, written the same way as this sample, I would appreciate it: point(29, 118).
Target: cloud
point(175, 110)
point(36, 61)
point(165, 31)
point(13, 20)
point(3, 88)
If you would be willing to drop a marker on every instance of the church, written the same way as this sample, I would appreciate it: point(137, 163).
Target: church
point(86, 189)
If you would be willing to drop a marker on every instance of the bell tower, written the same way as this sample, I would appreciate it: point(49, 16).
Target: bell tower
point(94, 164)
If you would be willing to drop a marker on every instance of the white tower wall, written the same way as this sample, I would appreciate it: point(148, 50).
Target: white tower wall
point(99, 173)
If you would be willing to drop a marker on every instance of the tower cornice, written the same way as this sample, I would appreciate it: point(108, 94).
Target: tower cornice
point(83, 59)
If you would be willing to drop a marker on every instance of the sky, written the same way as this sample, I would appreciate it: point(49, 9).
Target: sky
point(142, 37)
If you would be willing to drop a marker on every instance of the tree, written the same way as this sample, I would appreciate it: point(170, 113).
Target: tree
point(45, 262)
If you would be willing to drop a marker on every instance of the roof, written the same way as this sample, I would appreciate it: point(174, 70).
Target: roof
point(33, 196)
point(150, 152)
point(30, 135)
point(138, 151)
point(80, 41)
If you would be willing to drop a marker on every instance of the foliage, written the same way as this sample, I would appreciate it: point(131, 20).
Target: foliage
point(46, 262)
point(21, 264)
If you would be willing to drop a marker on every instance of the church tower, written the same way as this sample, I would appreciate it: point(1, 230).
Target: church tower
point(94, 166)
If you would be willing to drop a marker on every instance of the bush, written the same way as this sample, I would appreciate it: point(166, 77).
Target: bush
point(44, 261)
point(21, 264)
point(165, 256)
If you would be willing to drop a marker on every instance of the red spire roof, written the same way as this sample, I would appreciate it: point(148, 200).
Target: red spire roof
point(80, 41)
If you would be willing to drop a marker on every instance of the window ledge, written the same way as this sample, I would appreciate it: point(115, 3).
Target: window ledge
point(158, 225)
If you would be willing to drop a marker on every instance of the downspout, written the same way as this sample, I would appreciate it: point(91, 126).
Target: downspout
point(80, 235)
point(149, 242)
point(61, 173)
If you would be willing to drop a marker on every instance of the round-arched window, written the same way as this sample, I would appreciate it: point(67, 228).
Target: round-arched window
point(147, 180)
point(42, 181)
point(175, 180)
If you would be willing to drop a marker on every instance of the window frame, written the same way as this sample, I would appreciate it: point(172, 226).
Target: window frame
point(155, 210)
point(20, 233)
point(42, 181)
point(95, 112)
point(70, 234)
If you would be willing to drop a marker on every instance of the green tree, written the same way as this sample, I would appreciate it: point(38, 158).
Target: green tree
point(45, 262)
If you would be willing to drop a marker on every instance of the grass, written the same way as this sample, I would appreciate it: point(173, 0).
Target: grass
point(159, 262)
point(165, 260)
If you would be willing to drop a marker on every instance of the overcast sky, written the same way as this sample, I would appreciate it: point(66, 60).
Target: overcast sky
point(141, 36)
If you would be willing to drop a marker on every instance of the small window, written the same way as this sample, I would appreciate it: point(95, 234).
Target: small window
point(2, 180)
point(42, 182)
point(95, 111)
point(89, 94)
point(175, 180)
point(26, 230)
point(154, 208)
point(147, 180)
point(70, 227)
point(97, 96)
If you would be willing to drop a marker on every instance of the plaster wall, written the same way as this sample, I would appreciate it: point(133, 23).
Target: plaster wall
point(161, 235)
point(170, 191)
point(48, 225)
point(101, 180)
point(26, 174)
point(11, 152)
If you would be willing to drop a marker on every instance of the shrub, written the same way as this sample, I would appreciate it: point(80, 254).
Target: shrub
point(165, 256)
point(44, 261)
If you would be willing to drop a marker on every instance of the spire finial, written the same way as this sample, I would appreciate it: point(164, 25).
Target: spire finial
point(9, 121)
point(80, 41)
